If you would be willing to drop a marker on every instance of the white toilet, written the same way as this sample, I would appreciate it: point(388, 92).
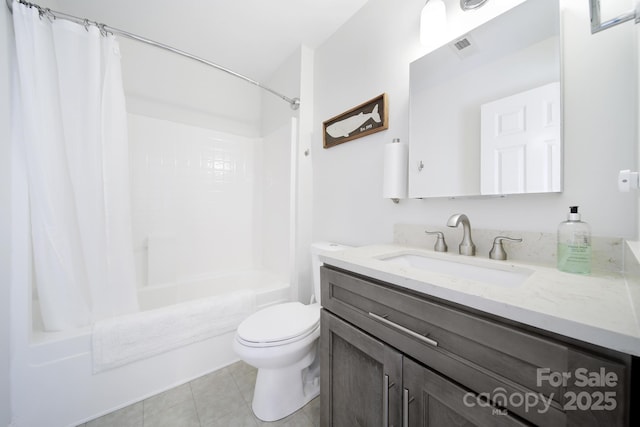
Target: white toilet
point(281, 341)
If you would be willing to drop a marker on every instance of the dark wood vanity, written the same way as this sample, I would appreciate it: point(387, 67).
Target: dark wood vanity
point(395, 357)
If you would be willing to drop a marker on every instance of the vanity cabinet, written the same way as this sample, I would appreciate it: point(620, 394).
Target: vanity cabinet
point(370, 382)
point(365, 379)
point(394, 357)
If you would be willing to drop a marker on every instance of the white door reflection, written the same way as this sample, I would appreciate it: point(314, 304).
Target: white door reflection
point(520, 148)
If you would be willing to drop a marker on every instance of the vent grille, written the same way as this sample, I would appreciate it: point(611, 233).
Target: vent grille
point(462, 43)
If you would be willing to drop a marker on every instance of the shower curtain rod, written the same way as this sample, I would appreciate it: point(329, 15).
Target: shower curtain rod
point(52, 14)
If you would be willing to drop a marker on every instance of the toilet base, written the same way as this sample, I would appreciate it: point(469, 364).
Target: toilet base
point(282, 391)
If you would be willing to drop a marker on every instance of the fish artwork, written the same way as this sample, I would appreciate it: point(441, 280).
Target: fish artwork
point(344, 127)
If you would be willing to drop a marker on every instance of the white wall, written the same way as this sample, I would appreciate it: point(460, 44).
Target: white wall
point(303, 179)
point(294, 78)
point(276, 214)
point(273, 208)
point(6, 39)
point(164, 85)
point(371, 55)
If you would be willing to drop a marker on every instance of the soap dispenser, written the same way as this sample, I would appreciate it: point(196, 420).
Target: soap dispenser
point(574, 244)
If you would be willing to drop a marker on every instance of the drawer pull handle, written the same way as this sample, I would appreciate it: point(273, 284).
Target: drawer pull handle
point(405, 330)
point(385, 401)
point(405, 408)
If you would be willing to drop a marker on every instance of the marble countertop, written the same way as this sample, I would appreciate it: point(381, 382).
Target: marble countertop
point(594, 308)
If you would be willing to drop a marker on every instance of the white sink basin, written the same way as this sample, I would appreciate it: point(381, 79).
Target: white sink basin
point(507, 275)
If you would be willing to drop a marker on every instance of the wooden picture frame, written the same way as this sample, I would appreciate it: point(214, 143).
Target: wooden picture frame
point(365, 119)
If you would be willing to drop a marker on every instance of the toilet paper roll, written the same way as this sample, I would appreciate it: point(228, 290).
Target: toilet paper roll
point(396, 156)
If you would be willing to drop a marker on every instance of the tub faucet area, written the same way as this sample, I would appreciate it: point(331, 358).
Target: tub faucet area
point(466, 246)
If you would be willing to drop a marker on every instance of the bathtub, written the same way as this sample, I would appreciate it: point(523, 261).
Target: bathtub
point(56, 371)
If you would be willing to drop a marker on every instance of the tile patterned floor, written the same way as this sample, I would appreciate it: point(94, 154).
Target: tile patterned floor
point(220, 399)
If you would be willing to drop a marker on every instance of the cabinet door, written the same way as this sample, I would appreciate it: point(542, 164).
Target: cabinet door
point(361, 377)
point(432, 400)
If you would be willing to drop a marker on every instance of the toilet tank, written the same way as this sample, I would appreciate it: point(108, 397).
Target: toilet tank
point(317, 249)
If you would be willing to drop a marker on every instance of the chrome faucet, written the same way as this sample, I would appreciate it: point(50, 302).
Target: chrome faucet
point(466, 246)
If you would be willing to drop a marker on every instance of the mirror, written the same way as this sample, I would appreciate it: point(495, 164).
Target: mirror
point(485, 112)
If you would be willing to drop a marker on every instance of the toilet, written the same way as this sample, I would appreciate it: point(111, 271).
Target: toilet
point(281, 341)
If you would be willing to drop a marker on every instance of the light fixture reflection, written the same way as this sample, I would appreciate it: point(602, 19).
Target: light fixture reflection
point(433, 21)
point(471, 4)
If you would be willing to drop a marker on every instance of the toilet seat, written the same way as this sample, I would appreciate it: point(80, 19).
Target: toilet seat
point(279, 324)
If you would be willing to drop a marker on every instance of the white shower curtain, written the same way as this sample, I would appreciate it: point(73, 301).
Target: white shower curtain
point(74, 138)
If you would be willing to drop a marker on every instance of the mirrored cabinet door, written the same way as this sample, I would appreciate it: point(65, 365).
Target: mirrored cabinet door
point(485, 111)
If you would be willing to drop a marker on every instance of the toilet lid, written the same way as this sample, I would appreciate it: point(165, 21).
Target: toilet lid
point(280, 322)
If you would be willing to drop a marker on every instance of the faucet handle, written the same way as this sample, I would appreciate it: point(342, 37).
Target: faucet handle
point(441, 245)
point(497, 251)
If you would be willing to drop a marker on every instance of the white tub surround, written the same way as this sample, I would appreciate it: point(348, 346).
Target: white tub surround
point(596, 308)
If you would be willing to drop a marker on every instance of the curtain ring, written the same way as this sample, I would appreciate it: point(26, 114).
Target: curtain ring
point(86, 24)
point(49, 14)
point(40, 11)
point(103, 31)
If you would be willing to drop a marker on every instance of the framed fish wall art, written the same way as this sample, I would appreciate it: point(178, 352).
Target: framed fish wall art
point(365, 119)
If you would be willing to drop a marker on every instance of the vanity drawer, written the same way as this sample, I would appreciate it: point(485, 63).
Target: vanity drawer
point(484, 355)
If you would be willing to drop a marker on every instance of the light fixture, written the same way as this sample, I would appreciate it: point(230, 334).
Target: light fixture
point(471, 4)
point(433, 20)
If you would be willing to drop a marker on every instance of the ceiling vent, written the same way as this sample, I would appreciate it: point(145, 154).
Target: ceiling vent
point(462, 43)
point(464, 47)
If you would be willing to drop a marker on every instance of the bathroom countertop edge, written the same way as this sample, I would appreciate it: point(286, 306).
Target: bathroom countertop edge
point(598, 309)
